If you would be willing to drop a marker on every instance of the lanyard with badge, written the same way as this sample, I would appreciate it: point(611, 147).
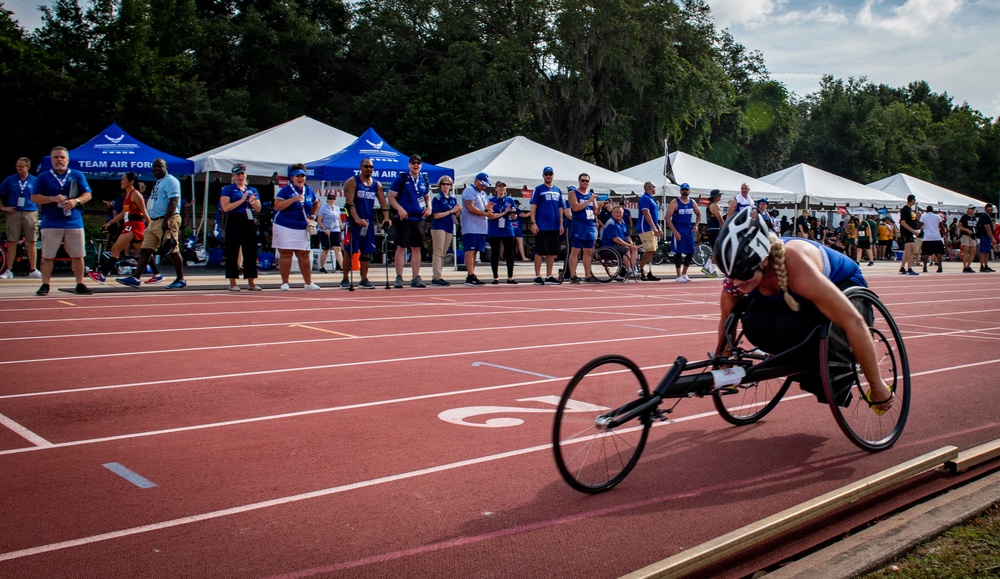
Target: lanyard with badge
point(21, 197)
point(421, 200)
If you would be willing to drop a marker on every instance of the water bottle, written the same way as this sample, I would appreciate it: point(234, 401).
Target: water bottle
point(67, 211)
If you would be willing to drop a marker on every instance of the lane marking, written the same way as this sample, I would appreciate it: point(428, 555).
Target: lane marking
point(129, 475)
point(24, 433)
point(394, 401)
point(67, 303)
point(422, 333)
point(477, 364)
point(322, 330)
point(443, 299)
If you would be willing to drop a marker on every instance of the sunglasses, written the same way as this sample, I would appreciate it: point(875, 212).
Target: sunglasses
point(367, 166)
point(585, 180)
point(746, 276)
point(446, 184)
point(546, 174)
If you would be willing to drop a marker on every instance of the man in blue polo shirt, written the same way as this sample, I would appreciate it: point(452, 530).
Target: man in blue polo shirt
point(59, 193)
point(476, 211)
point(648, 227)
point(547, 225)
point(164, 226)
point(410, 196)
point(22, 216)
point(583, 229)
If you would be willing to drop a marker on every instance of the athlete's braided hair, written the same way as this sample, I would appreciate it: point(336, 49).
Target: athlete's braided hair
point(776, 254)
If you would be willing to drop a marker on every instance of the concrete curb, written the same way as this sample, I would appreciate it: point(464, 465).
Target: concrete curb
point(878, 545)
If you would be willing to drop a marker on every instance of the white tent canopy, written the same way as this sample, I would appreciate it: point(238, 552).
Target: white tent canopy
point(519, 161)
point(273, 150)
point(828, 190)
point(704, 176)
point(901, 185)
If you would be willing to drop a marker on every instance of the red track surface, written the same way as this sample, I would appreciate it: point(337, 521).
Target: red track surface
point(300, 435)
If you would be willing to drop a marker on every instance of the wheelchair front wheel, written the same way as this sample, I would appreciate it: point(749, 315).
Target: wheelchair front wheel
point(591, 457)
point(845, 386)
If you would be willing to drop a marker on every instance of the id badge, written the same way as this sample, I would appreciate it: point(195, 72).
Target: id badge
point(20, 201)
point(422, 201)
point(502, 222)
point(249, 213)
point(590, 215)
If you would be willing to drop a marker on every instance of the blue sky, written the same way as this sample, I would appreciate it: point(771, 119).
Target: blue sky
point(954, 45)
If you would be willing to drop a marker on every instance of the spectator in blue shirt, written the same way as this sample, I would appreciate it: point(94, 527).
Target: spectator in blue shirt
point(444, 208)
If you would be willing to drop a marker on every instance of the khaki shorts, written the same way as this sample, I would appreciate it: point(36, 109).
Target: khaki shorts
point(71, 239)
point(918, 243)
point(648, 240)
point(22, 224)
point(155, 234)
point(969, 241)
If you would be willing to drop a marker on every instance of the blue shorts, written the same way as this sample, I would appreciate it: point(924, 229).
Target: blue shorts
point(473, 241)
point(363, 243)
point(582, 234)
point(985, 244)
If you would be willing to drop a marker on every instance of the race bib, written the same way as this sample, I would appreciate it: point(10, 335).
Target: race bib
point(590, 215)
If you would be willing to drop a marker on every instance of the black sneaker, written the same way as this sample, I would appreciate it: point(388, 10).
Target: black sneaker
point(440, 282)
point(968, 270)
point(591, 279)
point(83, 290)
point(43, 290)
point(540, 281)
point(512, 281)
point(902, 272)
point(940, 270)
point(473, 280)
point(650, 277)
point(987, 269)
point(552, 281)
point(496, 281)
point(575, 280)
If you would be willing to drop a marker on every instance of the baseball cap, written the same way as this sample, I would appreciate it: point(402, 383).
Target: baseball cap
point(763, 200)
point(685, 186)
point(239, 168)
point(416, 159)
point(971, 206)
point(548, 170)
point(484, 179)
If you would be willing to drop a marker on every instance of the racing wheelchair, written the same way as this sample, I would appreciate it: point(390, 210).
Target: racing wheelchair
point(604, 416)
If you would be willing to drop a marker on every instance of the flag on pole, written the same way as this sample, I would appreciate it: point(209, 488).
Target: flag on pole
point(668, 170)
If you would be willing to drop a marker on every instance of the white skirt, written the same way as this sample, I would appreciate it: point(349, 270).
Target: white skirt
point(286, 238)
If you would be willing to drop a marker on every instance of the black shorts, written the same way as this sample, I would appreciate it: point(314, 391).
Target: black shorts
point(408, 233)
point(328, 240)
point(713, 234)
point(547, 243)
point(932, 248)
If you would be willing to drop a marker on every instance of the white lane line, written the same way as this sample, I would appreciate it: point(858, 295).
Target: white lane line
point(321, 340)
point(351, 364)
point(24, 433)
point(129, 475)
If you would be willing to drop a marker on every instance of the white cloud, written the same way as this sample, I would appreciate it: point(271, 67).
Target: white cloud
point(913, 18)
point(819, 15)
point(747, 12)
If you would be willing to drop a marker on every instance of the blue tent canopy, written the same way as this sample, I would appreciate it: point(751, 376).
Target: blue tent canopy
point(113, 152)
point(389, 163)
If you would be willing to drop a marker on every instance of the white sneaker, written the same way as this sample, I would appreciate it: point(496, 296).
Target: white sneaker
point(7, 275)
point(35, 274)
point(679, 279)
point(310, 287)
point(686, 278)
point(285, 287)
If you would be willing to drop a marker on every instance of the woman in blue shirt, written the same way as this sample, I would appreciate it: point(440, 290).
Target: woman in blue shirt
point(792, 285)
point(444, 207)
point(295, 208)
point(240, 201)
point(500, 232)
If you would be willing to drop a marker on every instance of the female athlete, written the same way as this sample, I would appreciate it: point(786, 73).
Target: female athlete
point(791, 286)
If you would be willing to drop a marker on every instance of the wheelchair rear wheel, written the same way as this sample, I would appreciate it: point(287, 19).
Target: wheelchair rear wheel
point(606, 264)
point(591, 457)
point(845, 385)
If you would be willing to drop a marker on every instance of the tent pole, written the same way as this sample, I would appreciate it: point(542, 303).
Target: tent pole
point(204, 238)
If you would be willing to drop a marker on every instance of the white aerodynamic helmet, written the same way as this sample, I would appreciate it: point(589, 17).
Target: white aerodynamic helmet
point(743, 243)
